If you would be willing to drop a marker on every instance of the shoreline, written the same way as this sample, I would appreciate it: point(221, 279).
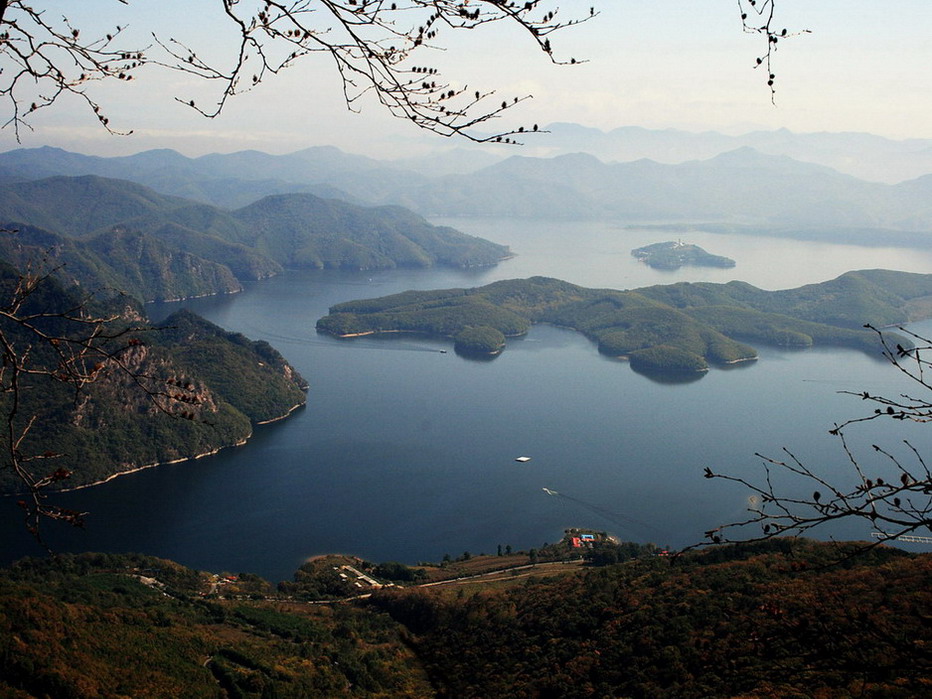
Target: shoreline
point(425, 333)
point(741, 359)
point(302, 269)
point(137, 469)
point(381, 332)
point(154, 302)
point(182, 459)
point(282, 417)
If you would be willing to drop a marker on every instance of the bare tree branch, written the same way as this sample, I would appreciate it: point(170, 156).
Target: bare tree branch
point(378, 47)
point(373, 44)
point(59, 340)
point(757, 17)
point(891, 491)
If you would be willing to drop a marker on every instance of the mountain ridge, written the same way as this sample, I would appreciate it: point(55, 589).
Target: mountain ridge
point(254, 242)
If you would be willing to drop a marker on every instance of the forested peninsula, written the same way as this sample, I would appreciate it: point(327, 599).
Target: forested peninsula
point(182, 389)
point(675, 328)
point(187, 388)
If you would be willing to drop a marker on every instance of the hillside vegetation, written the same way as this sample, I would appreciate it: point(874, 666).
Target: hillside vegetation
point(772, 620)
point(186, 388)
point(115, 234)
point(676, 328)
point(137, 626)
point(143, 266)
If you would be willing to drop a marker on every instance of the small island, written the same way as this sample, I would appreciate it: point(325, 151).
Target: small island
point(674, 254)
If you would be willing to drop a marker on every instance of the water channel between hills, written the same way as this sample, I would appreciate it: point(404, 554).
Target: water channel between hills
point(406, 453)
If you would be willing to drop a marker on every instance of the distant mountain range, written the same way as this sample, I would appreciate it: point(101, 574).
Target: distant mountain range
point(110, 233)
point(862, 155)
point(227, 181)
point(743, 189)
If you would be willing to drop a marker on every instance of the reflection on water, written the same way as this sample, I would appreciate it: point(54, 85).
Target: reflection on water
point(670, 378)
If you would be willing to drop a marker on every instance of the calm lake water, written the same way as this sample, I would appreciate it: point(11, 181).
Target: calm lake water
point(406, 453)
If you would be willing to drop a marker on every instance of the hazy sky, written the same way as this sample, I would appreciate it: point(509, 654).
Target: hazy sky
point(681, 63)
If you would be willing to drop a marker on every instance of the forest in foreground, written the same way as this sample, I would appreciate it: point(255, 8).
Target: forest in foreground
point(782, 618)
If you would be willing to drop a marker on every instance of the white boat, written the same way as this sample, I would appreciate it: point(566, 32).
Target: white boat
point(523, 459)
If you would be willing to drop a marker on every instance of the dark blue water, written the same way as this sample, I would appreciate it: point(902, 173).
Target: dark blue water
point(407, 453)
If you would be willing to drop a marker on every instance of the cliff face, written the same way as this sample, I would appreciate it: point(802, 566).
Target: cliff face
point(251, 376)
point(165, 393)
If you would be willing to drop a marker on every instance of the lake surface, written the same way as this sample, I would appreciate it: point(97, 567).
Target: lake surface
point(406, 453)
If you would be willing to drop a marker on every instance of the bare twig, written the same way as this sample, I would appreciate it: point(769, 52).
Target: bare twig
point(378, 47)
point(896, 503)
point(374, 45)
point(52, 339)
point(757, 17)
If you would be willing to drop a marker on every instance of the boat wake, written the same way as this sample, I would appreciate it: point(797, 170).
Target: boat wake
point(641, 529)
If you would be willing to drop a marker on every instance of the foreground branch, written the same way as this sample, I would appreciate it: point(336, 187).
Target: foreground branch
point(381, 48)
point(891, 492)
point(51, 340)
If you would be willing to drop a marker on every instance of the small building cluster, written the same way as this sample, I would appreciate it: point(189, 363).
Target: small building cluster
point(583, 541)
point(360, 577)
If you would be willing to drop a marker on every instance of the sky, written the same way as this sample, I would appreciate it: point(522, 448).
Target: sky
point(682, 64)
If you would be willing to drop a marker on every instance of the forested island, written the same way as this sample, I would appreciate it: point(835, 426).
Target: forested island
point(674, 254)
point(676, 328)
point(780, 618)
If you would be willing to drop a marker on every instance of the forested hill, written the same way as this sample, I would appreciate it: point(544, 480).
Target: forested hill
point(180, 247)
point(146, 267)
point(301, 230)
point(675, 328)
point(174, 392)
point(772, 620)
point(765, 183)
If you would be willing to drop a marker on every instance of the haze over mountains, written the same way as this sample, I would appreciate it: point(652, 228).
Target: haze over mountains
point(862, 155)
point(122, 235)
point(758, 182)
